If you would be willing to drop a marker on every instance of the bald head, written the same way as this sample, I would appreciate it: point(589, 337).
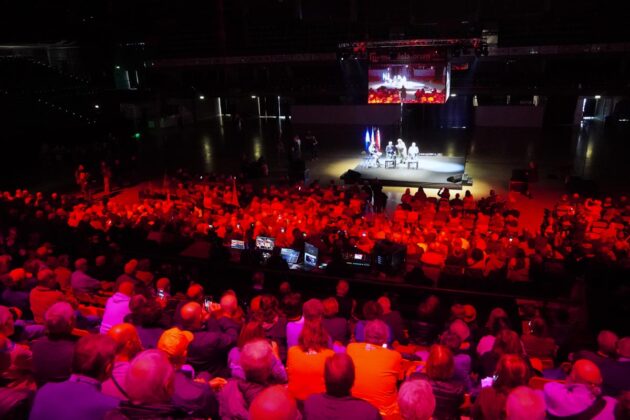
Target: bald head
point(586, 372)
point(126, 288)
point(81, 264)
point(607, 342)
point(195, 292)
point(191, 314)
point(229, 303)
point(342, 288)
point(127, 340)
point(623, 347)
point(163, 283)
point(274, 403)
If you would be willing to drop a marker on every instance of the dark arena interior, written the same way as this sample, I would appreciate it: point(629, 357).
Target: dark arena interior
point(331, 209)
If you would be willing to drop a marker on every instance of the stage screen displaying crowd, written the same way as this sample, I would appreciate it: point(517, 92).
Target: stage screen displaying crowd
point(413, 83)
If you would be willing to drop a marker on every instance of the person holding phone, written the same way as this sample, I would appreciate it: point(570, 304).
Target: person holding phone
point(512, 371)
point(208, 350)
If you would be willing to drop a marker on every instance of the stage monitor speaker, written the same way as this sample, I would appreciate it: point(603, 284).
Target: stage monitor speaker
point(456, 179)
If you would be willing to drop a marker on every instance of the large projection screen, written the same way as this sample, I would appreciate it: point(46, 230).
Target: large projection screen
point(412, 83)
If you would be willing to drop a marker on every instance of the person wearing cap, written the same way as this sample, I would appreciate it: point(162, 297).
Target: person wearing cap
point(44, 295)
point(208, 350)
point(580, 396)
point(194, 397)
point(127, 347)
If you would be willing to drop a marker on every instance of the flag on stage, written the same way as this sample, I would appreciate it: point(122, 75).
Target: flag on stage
point(367, 139)
point(372, 137)
point(378, 139)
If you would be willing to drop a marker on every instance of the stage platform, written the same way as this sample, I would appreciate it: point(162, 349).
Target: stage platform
point(433, 172)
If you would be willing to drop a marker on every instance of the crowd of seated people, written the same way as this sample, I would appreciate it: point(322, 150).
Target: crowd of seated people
point(282, 355)
point(85, 333)
point(450, 238)
point(464, 239)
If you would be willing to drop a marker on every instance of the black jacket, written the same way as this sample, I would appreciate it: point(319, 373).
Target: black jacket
point(208, 350)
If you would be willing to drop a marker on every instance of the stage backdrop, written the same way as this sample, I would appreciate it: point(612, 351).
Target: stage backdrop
point(509, 116)
point(346, 114)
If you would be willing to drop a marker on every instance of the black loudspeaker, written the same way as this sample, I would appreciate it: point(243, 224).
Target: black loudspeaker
point(351, 176)
point(456, 179)
point(389, 256)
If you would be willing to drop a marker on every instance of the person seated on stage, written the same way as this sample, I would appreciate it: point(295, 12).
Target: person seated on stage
point(413, 151)
point(390, 150)
point(374, 153)
point(401, 149)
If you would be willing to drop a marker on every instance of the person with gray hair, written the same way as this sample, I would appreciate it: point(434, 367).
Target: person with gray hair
point(377, 369)
point(80, 396)
point(257, 361)
point(523, 403)
point(376, 332)
point(149, 385)
point(82, 282)
point(416, 400)
point(52, 355)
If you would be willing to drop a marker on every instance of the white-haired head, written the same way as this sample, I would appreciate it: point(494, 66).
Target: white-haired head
point(257, 361)
point(416, 400)
point(59, 319)
point(376, 332)
point(524, 403)
point(150, 378)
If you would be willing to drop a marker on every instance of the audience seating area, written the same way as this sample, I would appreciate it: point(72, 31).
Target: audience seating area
point(88, 331)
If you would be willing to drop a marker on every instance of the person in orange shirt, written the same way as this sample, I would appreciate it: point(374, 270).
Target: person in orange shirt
point(377, 370)
point(305, 362)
